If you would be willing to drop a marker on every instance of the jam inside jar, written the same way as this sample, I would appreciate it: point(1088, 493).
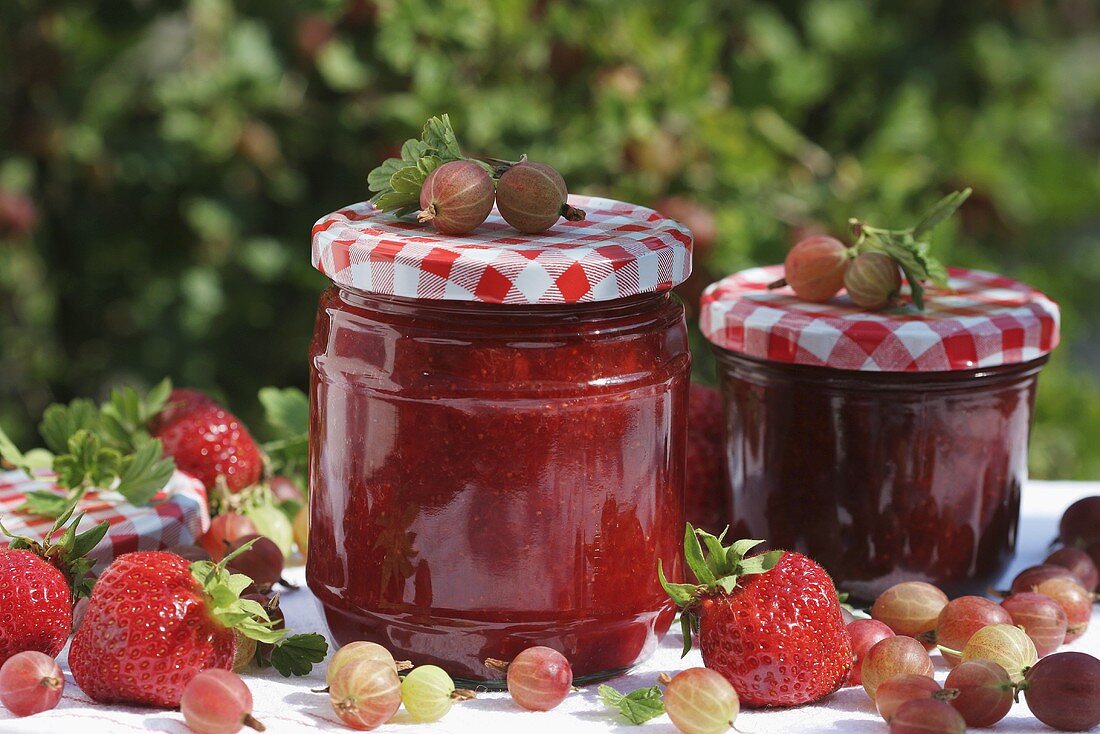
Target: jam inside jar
point(889, 446)
point(485, 477)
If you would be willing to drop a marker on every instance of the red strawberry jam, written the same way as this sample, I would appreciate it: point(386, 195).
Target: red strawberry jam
point(889, 446)
point(487, 478)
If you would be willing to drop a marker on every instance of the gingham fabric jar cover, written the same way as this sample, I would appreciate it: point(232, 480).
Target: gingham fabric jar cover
point(982, 320)
point(618, 250)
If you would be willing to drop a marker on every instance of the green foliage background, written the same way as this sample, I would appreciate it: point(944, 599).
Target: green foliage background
point(176, 156)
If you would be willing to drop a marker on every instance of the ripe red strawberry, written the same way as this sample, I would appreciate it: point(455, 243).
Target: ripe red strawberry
point(706, 500)
point(208, 441)
point(38, 585)
point(770, 623)
point(154, 622)
point(181, 400)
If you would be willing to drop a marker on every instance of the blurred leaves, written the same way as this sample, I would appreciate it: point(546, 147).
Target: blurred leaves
point(175, 158)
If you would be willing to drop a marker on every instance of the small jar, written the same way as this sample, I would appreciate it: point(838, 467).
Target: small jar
point(890, 446)
point(498, 427)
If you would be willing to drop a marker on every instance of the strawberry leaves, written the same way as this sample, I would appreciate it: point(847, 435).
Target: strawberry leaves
point(638, 706)
point(67, 553)
point(297, 654)
point(719, 569)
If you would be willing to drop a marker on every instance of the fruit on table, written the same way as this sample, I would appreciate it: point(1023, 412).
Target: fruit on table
point(30, 682)
point(706, 500)
point(207, 442)
point(539, 678)
point(218, 702)
point(428, 693)
point(262, 561)
point(961, 618)
point(1030, 578)
point(873, 280)
point(1063, 691)
point(271, 522)
point(895, 691)
point(701, 701)
point(456, 197)
point(864, 633)
point(1080, 523)
point(1004, 644)
point(911, 608)
point(283, 489)
point(899, 655)
point(193, 612)
point(1075, 601)
point(39, 583)
point(1042, 618)
point(365, 694)
point(300, 530)
point(361, 650)
point(770, 623)
point(532, 197)
point(814, 268)
point(927, 716)
point(1078, 562)
point(180, 401)
point(225, 529)
point(981, 690)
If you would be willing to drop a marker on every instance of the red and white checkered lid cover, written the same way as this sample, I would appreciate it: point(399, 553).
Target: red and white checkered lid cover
point(618, 250)
point(982, 320)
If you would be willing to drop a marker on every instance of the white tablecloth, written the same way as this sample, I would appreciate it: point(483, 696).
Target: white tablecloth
point(289, 706)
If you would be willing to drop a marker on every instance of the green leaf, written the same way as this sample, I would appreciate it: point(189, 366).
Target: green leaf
point(60, 422)
point(686, 628)
point(396, 202)
point(89, 539)
point(682, 594)
point(441, 139)
point(412, 150)
point(37, 459)
point(409, 181)
point(940, 212)
point(286, 411)
point(378, 180)
point(738, 550)
point(638, 706)
point(47, 504)
point(9, 452)
point(716, 554)
point(145, 472)
point(693, 554)
point(297, 654)
point(428, 163)
point(759, 564)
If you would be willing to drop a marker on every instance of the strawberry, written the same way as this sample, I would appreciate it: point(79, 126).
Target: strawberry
point(39, 583)
point(181, 400)
point(706, 500)
point(207, 441)
point(770, 623)
point(154, 622)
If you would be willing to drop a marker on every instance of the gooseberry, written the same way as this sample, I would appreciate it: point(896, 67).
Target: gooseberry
point(456, 197)
point(190, 552)
point(217, 701)
point(300, 528)
point(1042, 618)
point(895, 691)
point(30, 682)
point(701, 701)
point(365, 694)
point(961, 618)
point(1063, 691)
point(428, 693)
point(980, 690)
point(361, 650)
point(1079, 563)
point(262, 562)
point(911, 608)
point(927, 716)
point(873, 280)
point(1076, 602)
point(814, 268)
point(283, 489)
point(1032, 576)
point(224, 529)
point(1080, 523)
point(539, 678)
point(532, 197)
point(864, 633)
point(894, 656)
point(1004, 644)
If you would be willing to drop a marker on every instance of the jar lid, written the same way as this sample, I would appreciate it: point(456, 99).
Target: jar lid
point(618, 250)
point(982, 320)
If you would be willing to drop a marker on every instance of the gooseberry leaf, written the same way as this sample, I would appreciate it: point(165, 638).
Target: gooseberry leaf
point(638, 706)
point(441, 139)
point(412, 150)
point(408, 181)
point(941, 211)
point(378, 180)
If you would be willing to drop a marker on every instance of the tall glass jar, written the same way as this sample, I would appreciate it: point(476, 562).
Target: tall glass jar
point(889, 446)
point(490, 476)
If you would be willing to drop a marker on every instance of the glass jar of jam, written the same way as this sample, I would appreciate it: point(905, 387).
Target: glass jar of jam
point(497, 438)
point(890, 446)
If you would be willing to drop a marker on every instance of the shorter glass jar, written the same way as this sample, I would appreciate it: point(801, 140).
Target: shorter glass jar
point(486, 477)
point(882, 475)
